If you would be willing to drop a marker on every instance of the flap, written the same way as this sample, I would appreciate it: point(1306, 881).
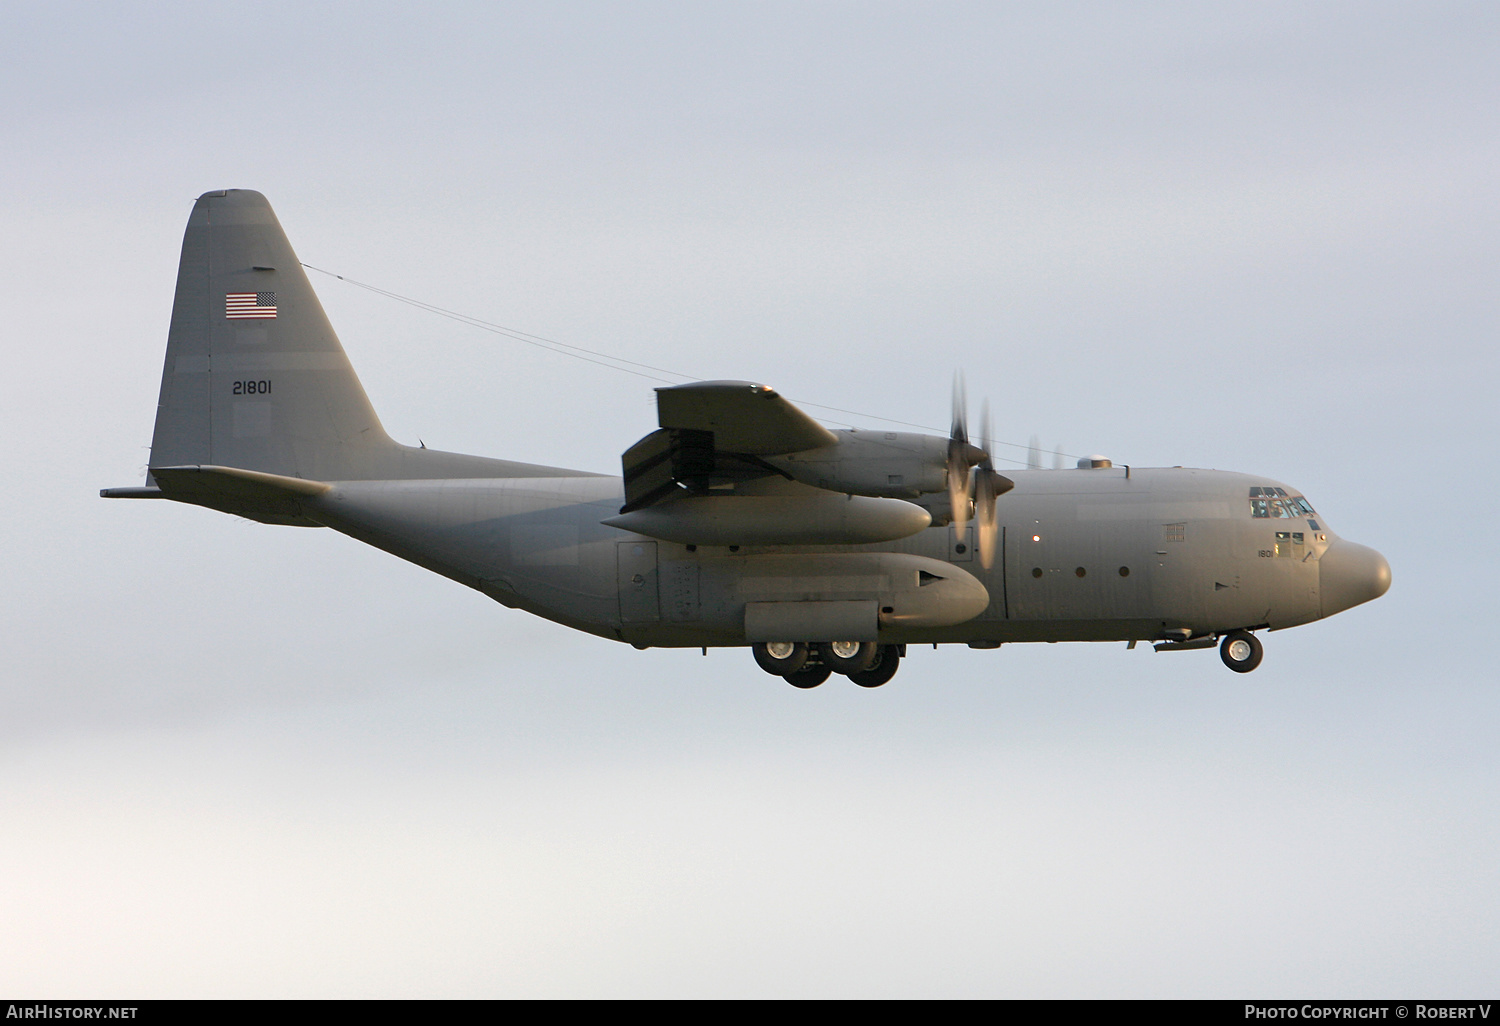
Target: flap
point(649, 470)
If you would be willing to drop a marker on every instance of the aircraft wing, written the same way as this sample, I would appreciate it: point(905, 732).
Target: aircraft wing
point(711, 432)
point(744, 417)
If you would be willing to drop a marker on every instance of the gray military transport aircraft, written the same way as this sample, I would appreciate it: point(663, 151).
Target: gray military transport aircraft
point(739, 521)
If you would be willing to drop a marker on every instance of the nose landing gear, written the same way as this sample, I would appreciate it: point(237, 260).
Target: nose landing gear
point(1241, 651)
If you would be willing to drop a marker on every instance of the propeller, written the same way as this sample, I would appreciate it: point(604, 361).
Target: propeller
point(961, 456)
point(983, 486)
point(986, 489)
point(1034, 455)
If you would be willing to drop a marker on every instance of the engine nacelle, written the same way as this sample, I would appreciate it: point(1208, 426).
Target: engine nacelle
point(884, 464)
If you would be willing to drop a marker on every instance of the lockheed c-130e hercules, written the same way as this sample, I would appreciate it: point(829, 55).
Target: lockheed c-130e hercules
point(740, 521)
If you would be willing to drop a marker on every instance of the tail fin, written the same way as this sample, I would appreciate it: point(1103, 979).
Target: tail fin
point(255, 378)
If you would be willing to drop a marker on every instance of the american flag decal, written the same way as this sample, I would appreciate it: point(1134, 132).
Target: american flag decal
point(242, 306)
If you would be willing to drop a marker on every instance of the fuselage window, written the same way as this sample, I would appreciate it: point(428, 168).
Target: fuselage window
point(1290, 543)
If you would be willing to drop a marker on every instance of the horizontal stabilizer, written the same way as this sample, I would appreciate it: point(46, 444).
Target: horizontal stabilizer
point(269, 498)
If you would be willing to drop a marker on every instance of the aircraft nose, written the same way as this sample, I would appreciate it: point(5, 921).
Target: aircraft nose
point(1349, 574)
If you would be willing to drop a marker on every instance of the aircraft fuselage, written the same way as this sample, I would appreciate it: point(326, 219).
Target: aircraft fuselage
point(1104, 554)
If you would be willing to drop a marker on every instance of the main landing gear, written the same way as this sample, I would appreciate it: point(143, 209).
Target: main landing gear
point(806, 666)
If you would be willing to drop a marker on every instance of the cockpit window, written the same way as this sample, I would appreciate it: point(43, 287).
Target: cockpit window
point(1270, 502)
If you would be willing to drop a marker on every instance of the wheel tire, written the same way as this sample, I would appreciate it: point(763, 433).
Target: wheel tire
point(808, 676)
point(780, 658)
point(887, 662)
point(848, 657)
point(1241, 651)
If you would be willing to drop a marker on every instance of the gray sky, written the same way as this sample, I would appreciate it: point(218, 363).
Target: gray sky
point(238, 760)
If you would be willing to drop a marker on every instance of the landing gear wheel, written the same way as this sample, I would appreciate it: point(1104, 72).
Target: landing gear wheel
point(1241, 651)
point(780, 657)
point(808, 676)
point(848, 657)
point(887, 661)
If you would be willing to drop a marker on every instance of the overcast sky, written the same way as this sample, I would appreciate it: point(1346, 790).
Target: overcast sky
point(241, 760)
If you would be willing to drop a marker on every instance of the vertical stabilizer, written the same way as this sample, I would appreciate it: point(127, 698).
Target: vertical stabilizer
point(255, 378)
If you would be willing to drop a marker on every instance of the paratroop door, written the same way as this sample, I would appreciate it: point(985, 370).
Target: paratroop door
point(640, 598)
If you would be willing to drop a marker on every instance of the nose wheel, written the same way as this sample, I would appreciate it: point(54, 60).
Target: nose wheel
point(1241, 651)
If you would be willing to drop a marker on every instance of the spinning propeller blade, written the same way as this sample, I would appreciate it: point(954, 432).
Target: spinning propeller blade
point(985, 493)
point(972, 476)
point(961, 456)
